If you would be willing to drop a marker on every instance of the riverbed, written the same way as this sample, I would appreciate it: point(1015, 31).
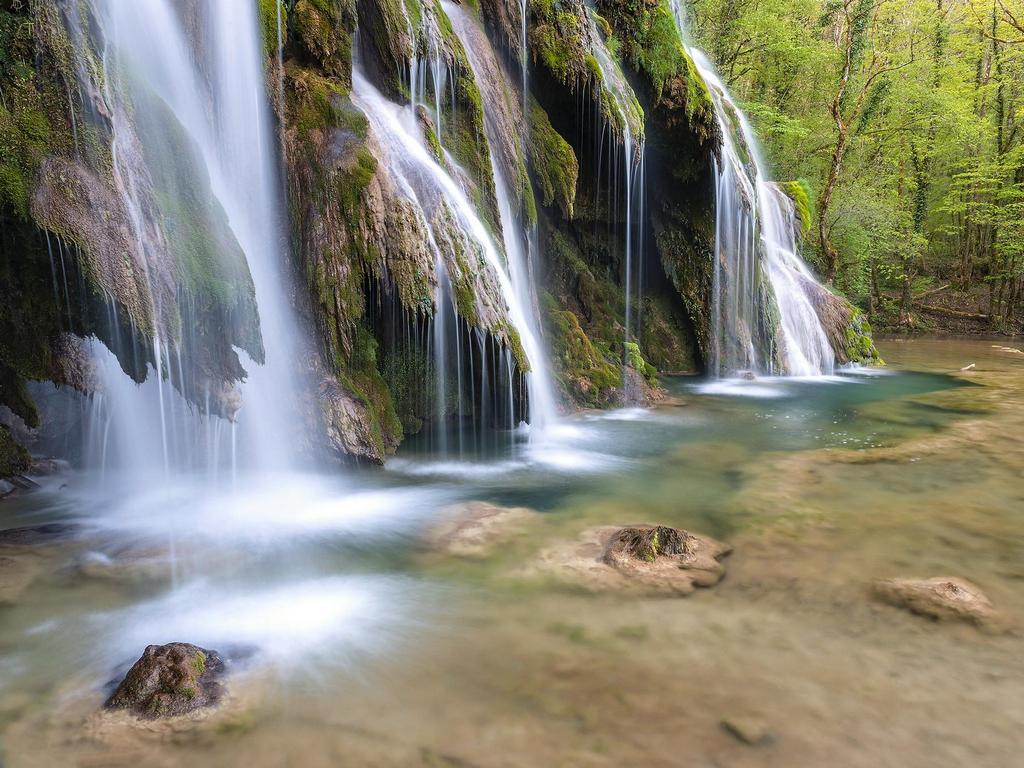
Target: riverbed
point(356, 644)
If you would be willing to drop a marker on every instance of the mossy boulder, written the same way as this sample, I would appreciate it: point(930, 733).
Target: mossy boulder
point(171, 680)
point(845, 325)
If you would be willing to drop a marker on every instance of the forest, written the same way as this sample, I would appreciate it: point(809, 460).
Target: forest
point(903, 119)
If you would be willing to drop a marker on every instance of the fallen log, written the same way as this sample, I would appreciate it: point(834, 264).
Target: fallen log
point(932, 292)
point(953, 312)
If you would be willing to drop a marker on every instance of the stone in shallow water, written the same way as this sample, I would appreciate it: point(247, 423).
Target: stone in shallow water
point(652, 559)
point(16, 573)
point(941, 598)
point(748, 730)
point(476, 527)
point(169, 680)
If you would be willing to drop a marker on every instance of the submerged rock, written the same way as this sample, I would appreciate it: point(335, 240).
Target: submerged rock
point(127, 565)
point(653, 559)
point(16, 573)
point(942, 598)
point(748, 730)
point(170, 680)
point(474, 528)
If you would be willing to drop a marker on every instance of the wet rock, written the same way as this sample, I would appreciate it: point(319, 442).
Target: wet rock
point(943, 598)
point(170, 680)
point(474, 528)
point(748, 730)
point(652, 559)
point(36, 535)
point(45, 466)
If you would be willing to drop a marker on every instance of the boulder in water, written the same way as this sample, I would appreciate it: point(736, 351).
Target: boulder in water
point(169, 680)
point(942, 598)
point(651, 559)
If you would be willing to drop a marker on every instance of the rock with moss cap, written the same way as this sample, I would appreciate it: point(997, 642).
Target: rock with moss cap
point(171, 680)
point(647, 559)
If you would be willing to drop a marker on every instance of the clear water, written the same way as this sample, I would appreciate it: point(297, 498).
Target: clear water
point(361, 646)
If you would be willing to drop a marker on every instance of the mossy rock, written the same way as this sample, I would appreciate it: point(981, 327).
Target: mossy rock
point(800, 193)
point(586, 375)
point(553, 161)
point(14, 459)
point(324, 29)
point(170, 680)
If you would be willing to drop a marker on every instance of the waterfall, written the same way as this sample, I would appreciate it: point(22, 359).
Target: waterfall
point(192, 106)
point(446, 212)
point(623, 102)
point(490, 78)
point(762, 318)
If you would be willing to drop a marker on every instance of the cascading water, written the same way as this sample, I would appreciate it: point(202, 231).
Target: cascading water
point(438, 201)
point(762, 318)
point(490, 78)
point(623, 103)
point(211, 90)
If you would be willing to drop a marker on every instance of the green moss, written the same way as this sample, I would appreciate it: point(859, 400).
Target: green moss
point(269, 10)
point(32, 119)
point(384, 35)
point(361, 376)
point(199, 663)
point(800, 193)
point(557, 40)
point(462, 126)
point(647, 36)
point(636, 361)
point(324, 29)
point(860, 347)
point(554, 162)
point(583, 371)
point(212, 269)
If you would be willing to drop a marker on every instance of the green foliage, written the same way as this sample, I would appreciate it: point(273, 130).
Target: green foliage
point(931, 181)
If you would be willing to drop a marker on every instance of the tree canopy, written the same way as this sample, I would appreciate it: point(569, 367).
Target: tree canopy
point(904, 117)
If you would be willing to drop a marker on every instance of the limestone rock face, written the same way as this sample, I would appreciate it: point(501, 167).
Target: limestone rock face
point(169, 680)
point(943, 598)
point(650, 559)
